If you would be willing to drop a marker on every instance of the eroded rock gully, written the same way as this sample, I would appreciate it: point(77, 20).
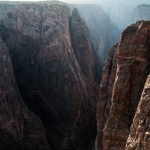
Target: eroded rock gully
point(103, 33)
point(52, 56)
point(122, 84)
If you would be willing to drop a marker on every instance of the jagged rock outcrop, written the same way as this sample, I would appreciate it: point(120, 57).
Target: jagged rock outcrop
point(105, 93)
point(142, 12)
point(103, 33)
point(140, 129)
point(81, 42)
point(131, 73)
point(53, 63)
point(20, 129)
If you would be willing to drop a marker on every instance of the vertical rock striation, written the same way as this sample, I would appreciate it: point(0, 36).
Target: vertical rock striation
point(53, 70)
point(105, 93)
point(131, 73)
point(20, 129)
point(103, 33)
point(140, 129)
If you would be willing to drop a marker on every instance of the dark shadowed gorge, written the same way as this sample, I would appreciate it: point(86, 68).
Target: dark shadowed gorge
point(19, 128)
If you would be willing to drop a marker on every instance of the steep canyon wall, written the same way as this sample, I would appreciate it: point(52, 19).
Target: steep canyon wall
point(52, 55)
point(124, 76)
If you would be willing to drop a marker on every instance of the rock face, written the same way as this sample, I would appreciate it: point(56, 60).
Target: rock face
point(20, 129)
point(142, 12)
point(121, 15)
point(131, 73)
point(103, 33)
point(139, 132)
point(105, 93)
point(52, 56)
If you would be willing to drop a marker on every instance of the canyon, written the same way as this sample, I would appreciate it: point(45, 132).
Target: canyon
point(52, 63)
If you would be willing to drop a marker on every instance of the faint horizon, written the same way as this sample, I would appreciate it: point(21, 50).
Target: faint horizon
point(127, 2)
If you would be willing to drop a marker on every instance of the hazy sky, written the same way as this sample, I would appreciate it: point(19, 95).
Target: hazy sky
point(110, 1)
point(126, 2)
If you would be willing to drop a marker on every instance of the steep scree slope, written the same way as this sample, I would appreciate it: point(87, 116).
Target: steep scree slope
point(53, 71)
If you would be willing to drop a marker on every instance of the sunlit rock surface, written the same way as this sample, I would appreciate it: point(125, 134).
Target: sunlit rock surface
point(140, 133)
point(131, 73)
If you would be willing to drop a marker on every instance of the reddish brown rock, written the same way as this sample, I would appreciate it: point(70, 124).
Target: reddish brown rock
point(132, 70)
point(139, 137)
point(105, 94)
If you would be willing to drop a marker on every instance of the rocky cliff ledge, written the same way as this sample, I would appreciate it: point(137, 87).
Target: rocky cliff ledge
point(52, 56)
point(120, 97)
